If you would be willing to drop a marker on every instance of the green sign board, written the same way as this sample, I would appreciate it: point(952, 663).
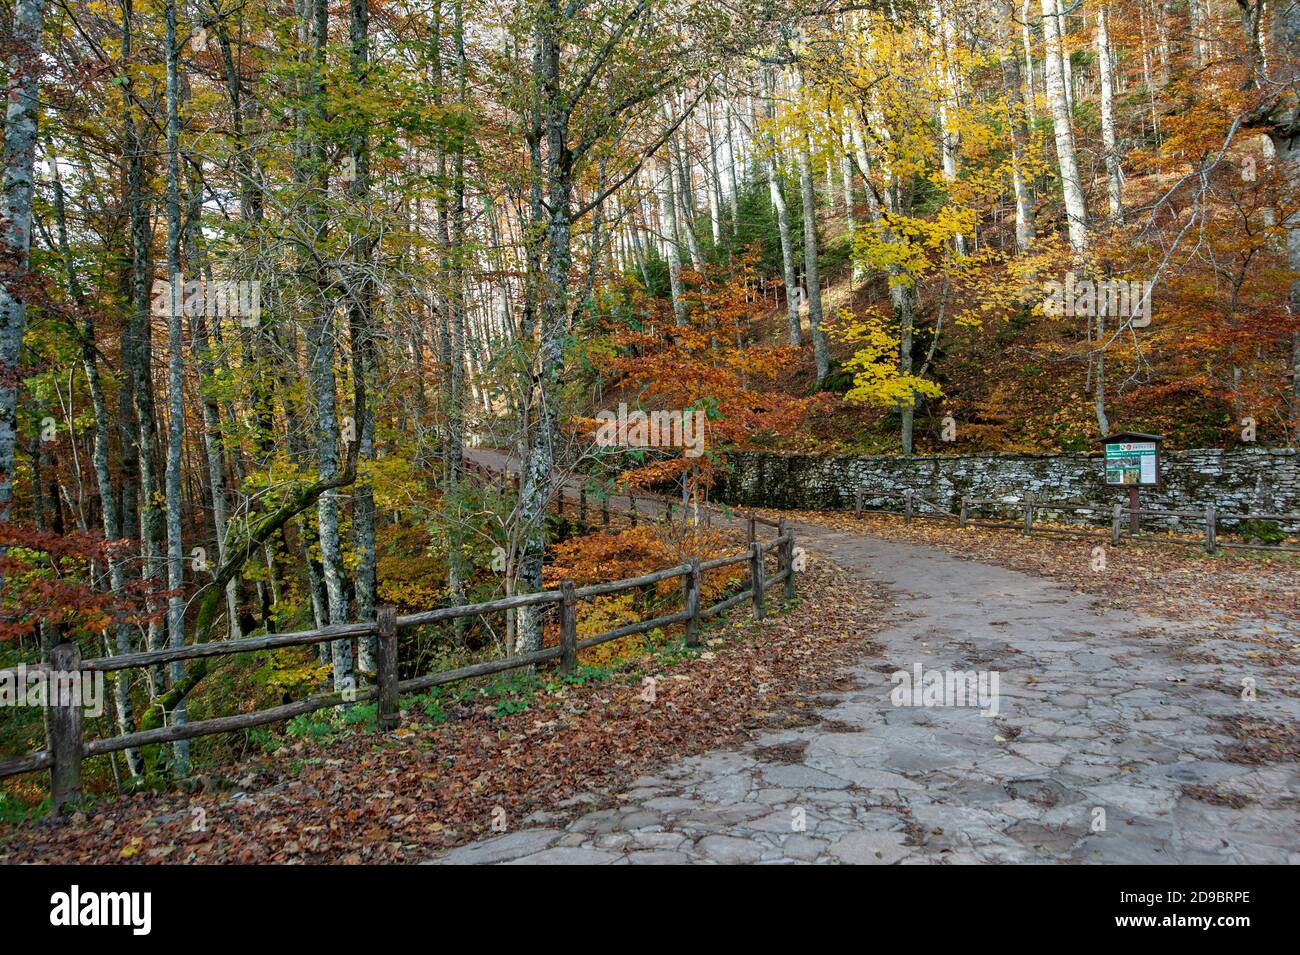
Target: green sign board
point(1131, 464)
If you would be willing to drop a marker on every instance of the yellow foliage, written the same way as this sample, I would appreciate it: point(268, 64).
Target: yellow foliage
point(877, 379)
point(602, 615)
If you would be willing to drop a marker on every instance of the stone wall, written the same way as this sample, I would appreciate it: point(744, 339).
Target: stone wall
point(1255, 480)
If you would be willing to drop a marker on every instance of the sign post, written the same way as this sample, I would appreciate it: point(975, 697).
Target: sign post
point(1132, 462)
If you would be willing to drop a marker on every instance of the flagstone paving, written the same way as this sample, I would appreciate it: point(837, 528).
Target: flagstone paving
point(1108, 746)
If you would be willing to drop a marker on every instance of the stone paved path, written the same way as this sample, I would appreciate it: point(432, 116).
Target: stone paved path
point(1097, 714)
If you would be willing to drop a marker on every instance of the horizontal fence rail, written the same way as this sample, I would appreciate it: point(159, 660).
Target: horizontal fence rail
point(67, 748)
point(1118, 516)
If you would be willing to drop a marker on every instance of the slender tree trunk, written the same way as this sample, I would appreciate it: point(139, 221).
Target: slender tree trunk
point(537, 478)
point(713, 180)
point(733, 173)
point(686, 201)
point(1027, 43)
point(949, 138)
point(777, 192)
point(821, 351)
point(215, 458)
point(1072, 190)
point(1025, 229)
point(19, 158)
point(1196, 22)
point(111, 522)
point(139, 360)
point(456, 312)
point(1071, 185)
point(1062, 21)
point(672, 241)
point(1105, 69)
point(321, 351)
point(175, 386)
point(362, 333)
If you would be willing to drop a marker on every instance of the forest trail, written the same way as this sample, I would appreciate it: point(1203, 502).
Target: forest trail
point(1107, 746)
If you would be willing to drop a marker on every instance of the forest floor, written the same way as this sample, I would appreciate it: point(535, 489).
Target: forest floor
point(1121, 733)
point(364, 797)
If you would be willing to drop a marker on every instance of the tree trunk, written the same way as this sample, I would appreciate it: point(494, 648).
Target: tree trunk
point(175, 385)
point(1071, 185)
point(109, 517)
point(536, 484)
point(949, 138)
point(19, 159)
point(1105, 69)
point(456, 311)
point(362, 333)
point(1025, 229)
point(672, 241)
point(138, 360)
point(733, 173)
point(321, 349)
point(777, 192)
point(713, 180)
point(821, 351)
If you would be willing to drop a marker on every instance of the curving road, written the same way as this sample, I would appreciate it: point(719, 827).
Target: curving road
point(1107, 746)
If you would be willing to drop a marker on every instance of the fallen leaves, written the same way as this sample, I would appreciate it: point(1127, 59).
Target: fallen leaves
point(365, 799)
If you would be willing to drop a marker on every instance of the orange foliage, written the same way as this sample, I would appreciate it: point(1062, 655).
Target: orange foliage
point(606, 556)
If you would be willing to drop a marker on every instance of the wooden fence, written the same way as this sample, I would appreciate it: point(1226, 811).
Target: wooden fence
point(1118, 516)
point(67, 747)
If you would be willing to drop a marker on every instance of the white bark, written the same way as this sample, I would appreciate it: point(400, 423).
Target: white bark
point(1027, 41)
point(1024, 197)
point(821, 352)
point(777, 193)
point(1076, 210)
point(1067, 66)
point(1105, 68)
point(672, 241)
point(18, 161)
point(949, 140)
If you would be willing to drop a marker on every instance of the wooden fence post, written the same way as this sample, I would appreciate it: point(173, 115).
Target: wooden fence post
point(1029, 513)
point(389, 714)
point(756, 577)
point(691, 586)
point(752, 535)
point(1117, 518)
point(965, 509)
point(857, 501)
point(907, 505)
point(568, 628)
point(1211, 530)
point(63, 698)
